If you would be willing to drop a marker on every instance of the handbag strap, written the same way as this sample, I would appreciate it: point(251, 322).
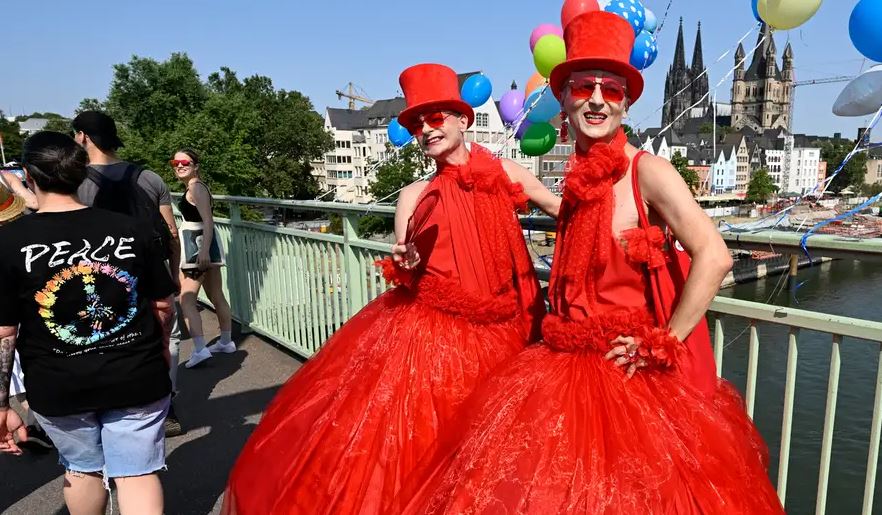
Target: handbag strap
point(635, 188)
point(651, 275)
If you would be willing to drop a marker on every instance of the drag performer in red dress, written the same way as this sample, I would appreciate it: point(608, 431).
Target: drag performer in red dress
point(344, 433)
point(601, 418)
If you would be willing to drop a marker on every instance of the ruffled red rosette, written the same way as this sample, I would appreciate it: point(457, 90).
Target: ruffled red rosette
point(645, 246)
point(392, 272)
point(518, 197)
point(659, 348)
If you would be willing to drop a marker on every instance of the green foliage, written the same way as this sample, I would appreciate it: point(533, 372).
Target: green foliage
point(253, 139)
point(689, 175)
point(58, 125)
point(394, 174)
point(855, 170)
point(871, 190)
point(12, 140)
point(761, 187)
point(49, 116)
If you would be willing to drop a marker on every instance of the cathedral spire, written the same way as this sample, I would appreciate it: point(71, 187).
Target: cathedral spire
point(698, 54)
point(680, 52)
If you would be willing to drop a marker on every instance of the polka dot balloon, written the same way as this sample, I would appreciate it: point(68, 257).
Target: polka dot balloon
point(645, 51)
point(631, 10)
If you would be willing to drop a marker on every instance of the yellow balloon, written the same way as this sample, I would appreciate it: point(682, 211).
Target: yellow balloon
point(787, 14)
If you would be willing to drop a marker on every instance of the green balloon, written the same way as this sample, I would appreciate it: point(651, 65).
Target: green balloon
point(539, 139)
point(549, 52)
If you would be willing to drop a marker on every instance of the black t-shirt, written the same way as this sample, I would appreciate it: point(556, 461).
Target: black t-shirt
point(80, 285)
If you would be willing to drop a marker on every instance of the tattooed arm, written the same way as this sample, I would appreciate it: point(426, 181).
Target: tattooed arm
point(7, 355)
point(10, 422)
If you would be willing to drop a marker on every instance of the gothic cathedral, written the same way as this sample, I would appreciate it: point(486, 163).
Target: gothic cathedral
point(686, 88)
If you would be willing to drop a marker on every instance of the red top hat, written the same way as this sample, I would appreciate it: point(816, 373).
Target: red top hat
point(598, 40)
point(431, 87)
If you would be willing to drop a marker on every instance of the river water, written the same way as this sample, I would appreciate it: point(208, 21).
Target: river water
point(848, 288)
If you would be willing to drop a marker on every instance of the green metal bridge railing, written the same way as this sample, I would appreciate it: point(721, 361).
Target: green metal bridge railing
point(296, 287)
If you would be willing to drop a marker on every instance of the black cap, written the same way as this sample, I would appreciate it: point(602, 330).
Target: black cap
point(100, 128)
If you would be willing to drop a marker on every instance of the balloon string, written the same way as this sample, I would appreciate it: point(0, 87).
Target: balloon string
point(664, 18)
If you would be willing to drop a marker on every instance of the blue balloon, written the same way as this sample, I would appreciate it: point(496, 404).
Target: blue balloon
point(398, 135)
point(476, 90)
point(651, 22)
point(546, 108)
point(755, 5)
point(645, 51)
point(631, 10)
point(863, 27)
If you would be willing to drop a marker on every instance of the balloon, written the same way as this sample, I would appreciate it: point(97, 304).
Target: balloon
point(651, 22)
point(645, 51)
point(573, 8)
point(522, 129)
point(535, 82)
point(539, 139)
point(544, 30)
point(787, 14)
point(550, 51)
point(476, 90)
point(753, 5)
point(545, 108)
point(510, 105)
point(398, 135)
point(631, 10)
point(863, 27)
point(862, 96)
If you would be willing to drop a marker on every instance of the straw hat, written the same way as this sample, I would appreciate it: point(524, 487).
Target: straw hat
point(11, 205)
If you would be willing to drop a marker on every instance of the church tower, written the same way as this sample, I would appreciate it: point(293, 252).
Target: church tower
point(762, 94)
point(681, 93)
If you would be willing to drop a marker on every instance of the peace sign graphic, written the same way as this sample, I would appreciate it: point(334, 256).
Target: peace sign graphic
point(97, 319)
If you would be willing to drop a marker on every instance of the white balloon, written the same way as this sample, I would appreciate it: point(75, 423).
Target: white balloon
point(862, 96)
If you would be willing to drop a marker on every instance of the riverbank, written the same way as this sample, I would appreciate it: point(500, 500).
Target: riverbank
point(748, 268)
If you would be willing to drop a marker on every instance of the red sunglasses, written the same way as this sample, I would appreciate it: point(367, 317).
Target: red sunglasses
point(611, 89)
point(180, 162)
point(434, 120)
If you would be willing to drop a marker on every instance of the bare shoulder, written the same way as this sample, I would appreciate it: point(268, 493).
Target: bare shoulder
point(658, 177)
point(412, 191)
point(513, 170)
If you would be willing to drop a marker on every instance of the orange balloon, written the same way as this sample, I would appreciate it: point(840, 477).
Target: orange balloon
point(535, 82)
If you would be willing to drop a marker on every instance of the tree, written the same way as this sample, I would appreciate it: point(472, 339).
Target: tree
point(855, 170)
point(760, 188)
point(254, 140)
point(12, 139)
point(689, 175)
point(58, 125)
point(403, 168)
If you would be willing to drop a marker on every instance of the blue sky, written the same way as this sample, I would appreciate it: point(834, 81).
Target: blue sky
point(61, 52)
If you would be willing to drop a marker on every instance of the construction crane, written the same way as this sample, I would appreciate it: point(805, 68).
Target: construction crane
point(812, 82)
point(353, 96)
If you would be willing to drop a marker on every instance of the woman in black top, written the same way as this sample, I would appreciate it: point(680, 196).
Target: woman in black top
point(195, 207)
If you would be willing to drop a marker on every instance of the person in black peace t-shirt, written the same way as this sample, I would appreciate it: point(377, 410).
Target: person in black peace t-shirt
point(90, 301)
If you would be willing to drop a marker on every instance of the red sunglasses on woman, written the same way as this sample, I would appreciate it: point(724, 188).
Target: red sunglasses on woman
point(180, 162)
point(434, 120)
point(611, 89)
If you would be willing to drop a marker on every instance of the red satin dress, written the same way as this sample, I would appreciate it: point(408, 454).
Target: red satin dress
point(348, 428)
point(557, 430)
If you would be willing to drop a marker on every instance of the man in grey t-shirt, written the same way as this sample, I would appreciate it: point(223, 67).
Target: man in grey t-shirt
point(96, 133)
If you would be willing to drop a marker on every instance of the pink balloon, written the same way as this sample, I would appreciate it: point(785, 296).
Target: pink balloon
point(573, 8)
point(544, 30)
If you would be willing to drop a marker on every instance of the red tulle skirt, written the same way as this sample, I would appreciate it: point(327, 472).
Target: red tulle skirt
point(562, 433)
point(346, 431)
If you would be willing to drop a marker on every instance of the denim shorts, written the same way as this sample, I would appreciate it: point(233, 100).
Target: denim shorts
point(124, 442)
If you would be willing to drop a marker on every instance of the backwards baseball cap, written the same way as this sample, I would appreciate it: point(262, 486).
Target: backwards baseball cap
point(100, 128)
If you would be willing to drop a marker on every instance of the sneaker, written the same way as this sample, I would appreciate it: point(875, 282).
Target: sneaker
point(222, 348)
point(172, 424)
point(198, 357)
point(38, 440)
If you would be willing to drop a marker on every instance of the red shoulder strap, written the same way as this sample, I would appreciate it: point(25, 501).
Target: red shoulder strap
point(638, 197)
